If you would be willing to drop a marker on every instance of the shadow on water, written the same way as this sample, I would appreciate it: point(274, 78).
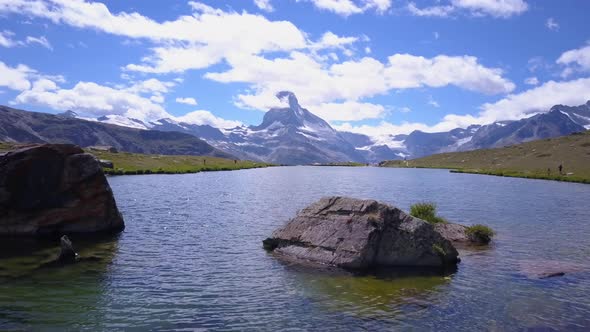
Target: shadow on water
point(35, 295)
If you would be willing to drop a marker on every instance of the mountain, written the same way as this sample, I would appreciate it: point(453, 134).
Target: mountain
point(290, 135)
point(293, 135)
point(30, 127)
point(560, 120)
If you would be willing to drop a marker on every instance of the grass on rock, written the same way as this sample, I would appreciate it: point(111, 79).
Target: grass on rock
point(480, 233)
point(427, 212)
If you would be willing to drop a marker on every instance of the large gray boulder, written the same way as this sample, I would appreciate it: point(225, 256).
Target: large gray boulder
point(55, 189)
point(360, 234)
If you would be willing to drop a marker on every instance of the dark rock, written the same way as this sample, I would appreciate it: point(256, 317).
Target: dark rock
point(360, 234)
point(106, 163)
point(68, 254)
point(54, 189)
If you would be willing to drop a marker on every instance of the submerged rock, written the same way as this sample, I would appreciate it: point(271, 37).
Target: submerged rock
point(54, 189)
point(360, 234)
point(543, 269)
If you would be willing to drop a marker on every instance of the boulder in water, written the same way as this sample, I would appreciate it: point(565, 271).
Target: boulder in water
point(55, 189)
point(360, 234)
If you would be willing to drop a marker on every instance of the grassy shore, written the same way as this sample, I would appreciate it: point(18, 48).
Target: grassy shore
point(535, 160)
point(134, 163)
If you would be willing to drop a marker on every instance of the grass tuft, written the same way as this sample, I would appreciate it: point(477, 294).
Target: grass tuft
point(480, 233)
point(427, 212)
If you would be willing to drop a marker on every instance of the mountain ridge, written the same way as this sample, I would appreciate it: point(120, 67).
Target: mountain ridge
point(293, 135)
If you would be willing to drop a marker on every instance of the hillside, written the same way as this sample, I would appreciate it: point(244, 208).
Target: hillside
point(126, 163)
point(30, 127)
point(530, 160)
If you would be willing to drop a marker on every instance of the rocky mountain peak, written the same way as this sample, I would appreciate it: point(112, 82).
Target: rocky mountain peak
point(290, 98)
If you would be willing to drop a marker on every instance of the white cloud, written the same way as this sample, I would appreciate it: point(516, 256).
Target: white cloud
point(6, 39)
point(207, 118)
point(532, 80)
point(575, 60)
point(317, 83)
point(264, 5)
point(93, 100)
point(348, 111)
point(350, 7)
point(151, 85)
point(494, 8)
point(433, 102)
point(538, 99)
point(16, 78)
point(157, 99)
point(437, 11)
point(39, 40)
point(187, 101)
point(185, 43)
point(552, 24)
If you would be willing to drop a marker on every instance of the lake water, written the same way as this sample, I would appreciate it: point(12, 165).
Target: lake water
point(191, 258)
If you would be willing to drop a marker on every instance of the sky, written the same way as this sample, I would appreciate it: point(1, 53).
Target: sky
point(378, 67)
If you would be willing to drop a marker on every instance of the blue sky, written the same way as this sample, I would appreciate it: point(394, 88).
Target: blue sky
point(377, 67)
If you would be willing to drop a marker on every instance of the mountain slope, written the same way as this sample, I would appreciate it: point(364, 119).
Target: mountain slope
point(532, 159)
point(30, 127)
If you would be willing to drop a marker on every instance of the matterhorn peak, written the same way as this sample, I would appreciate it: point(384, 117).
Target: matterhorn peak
point(290, 97)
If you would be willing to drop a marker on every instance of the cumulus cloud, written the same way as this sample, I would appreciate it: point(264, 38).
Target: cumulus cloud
point(350, 7)
point(494, 8)
point(552, 24)
point(93, 100)
point(7, 40)
point(348, 111)
point(354, 80)
point(40, 41)
point(532, 80)
point(575, 60)
point(264, 5)
point(15, 78)
point(207, 118)
point(140, 100)
point(187, 101)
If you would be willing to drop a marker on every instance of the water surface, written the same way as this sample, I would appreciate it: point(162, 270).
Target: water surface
point(191, 258)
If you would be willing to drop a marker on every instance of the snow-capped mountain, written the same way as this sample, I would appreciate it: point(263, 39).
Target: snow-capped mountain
point(293, 135)
point(290, 135)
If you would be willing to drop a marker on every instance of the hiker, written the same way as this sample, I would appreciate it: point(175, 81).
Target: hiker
point(549, 171)
point(560, 169)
